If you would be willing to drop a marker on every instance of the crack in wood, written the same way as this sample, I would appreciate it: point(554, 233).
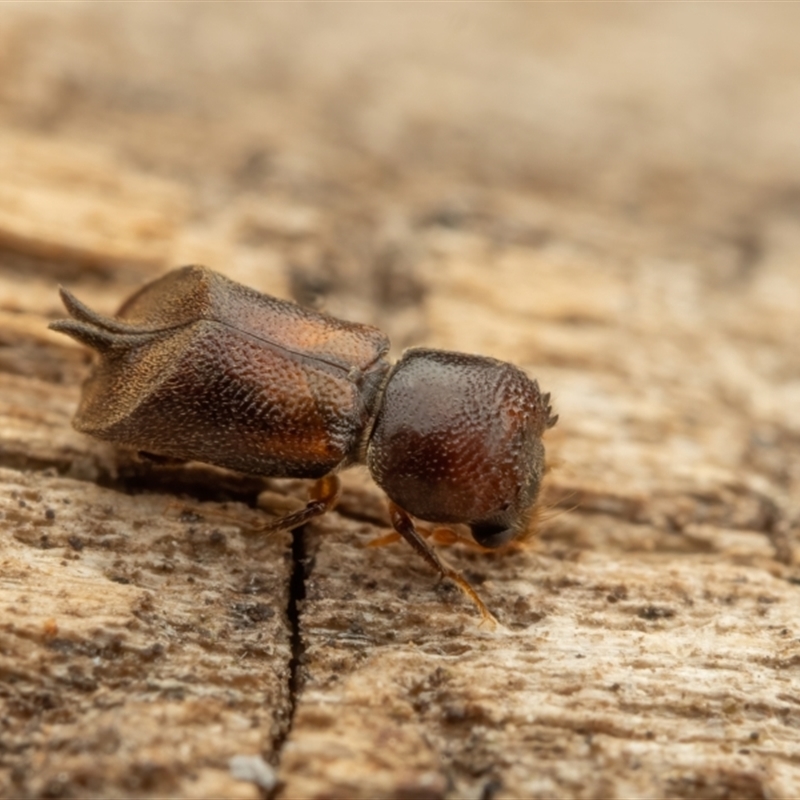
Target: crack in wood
point(297, 594)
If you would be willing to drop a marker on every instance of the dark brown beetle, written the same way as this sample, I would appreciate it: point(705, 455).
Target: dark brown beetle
point(199, 368)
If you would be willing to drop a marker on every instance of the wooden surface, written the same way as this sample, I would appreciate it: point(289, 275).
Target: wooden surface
point(606, 196)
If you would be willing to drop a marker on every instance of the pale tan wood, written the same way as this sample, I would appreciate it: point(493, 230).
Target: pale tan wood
point(509, 185)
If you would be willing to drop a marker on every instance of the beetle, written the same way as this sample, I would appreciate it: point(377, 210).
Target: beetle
point(197, 367)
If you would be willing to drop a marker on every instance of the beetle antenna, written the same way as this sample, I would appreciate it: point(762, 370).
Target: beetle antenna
point(546, 512)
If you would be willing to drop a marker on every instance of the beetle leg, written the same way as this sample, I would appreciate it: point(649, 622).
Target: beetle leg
point(322, 498)
point(447, 536)
point(382, 541)
point(404, 525)
point(439, 535)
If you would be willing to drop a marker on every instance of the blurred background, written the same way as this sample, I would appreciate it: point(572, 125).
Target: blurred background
point(680, 119)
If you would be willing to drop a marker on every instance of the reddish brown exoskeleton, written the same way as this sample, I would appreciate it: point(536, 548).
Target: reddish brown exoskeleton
point(199, 368)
